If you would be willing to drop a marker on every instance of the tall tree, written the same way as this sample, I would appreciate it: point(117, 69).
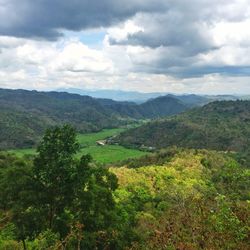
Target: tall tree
point(72, 192)
point(61, 195)
point(55, 170)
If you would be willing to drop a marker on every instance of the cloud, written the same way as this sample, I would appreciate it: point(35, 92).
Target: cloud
point(190, 38)
point(169, 45)
point(43, 64)
point(77, 57)
point(47, 19)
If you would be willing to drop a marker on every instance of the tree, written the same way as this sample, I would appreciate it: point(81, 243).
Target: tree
point(95, 207)
point(72, 192)
point(17, 195)
point(55, 170)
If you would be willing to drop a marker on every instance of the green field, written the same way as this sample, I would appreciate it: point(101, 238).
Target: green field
point(102, 154)
point(91, 138)
point(22, 152)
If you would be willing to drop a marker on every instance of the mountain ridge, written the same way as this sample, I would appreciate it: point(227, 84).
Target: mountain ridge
point(24, 115)
point(220, 125)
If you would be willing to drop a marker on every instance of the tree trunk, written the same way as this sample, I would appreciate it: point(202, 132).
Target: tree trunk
point(79, 244)
point(51, 216)
point(24, 244)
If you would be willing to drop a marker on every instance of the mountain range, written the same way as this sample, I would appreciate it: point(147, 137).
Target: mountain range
point(140, 97)
point(116, 95)
point(24, 115)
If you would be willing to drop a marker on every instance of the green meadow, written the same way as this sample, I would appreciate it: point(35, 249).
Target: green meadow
point(102, 154)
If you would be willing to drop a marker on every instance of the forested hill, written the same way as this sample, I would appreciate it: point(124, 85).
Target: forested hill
point(154, 108)
point(162, 106)
point(223, 125)
point(24, 115)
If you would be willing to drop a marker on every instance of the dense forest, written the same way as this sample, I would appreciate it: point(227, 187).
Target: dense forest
point(24, 115)
point(174, 199)
point(221, 125)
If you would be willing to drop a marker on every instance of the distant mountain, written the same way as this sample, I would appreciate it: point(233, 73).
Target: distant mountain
point(151, 109)
point(24, 115)
point(229, 97)
point(162, 106)
point(223, 97)
point(245, 97)
point(193, 100)
point(190, 100)
point(221, 125)
point(117, 95)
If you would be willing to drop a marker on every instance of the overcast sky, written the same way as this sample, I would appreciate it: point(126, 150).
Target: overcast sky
point(178, 46)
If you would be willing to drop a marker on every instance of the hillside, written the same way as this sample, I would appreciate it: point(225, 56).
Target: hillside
point(186, 199)
point(24, 115)
point(221, 125)
point(162, 106)
point(153, 108)
point(177, 199)
point(193, 100)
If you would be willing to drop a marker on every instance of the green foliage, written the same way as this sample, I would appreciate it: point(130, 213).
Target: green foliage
point(162, 106)
point(233, 180)
point(45, 240)
point(221, 125)
point(158, 158)
point(50, 198)
point(174, 199)
point(197, 199)
point(225, 222)
point(55, 171)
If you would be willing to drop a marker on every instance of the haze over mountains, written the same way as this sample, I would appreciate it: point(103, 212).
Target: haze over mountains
point(139, 97)
point(117, 95)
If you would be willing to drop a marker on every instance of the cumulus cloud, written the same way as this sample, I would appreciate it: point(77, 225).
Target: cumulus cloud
point(191, 38)
point(47, 19)
point(77, 57)
point(50, 65)
point(170, 45)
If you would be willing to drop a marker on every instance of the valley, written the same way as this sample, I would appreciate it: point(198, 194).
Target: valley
point(25, 115)
point(105, 154)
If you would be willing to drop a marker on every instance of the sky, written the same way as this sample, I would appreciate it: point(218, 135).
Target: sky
point(177, 46)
